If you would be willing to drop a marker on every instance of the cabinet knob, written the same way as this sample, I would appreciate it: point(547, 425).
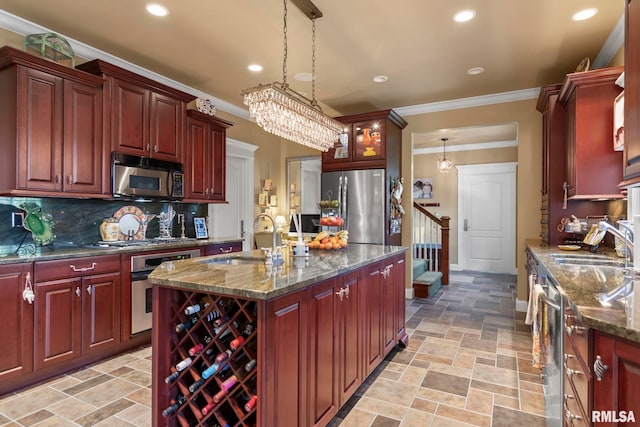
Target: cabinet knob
point(347, 292)
point(340, 293)
point(148, 147)
point(78, 292)
point(155, 148)
point(206, 191)
point(599, 368)
point(28, 294)
point(69, 179)
point(89, 289)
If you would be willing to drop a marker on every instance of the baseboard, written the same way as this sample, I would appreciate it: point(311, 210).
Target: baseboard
point(454, 267)
point(521, 305)
point(408, 293)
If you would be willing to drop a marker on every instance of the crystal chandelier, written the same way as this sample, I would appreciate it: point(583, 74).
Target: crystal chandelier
point(444, 164)
point(282, 111)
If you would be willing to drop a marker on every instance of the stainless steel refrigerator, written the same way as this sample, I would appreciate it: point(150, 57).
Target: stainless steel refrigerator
point(362, 202)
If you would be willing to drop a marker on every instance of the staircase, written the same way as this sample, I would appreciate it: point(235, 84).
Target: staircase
point(430, 262)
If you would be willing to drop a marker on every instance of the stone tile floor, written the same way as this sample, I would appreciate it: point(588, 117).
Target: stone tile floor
point(468, 363)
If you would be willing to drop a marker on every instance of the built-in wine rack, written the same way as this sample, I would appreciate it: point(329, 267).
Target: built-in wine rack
point(212, 374)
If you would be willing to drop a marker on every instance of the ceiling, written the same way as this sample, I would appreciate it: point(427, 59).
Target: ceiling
point(207, 44)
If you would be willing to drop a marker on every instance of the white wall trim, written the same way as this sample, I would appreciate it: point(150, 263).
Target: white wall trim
point(611, 46)
point(485, 168)
point(408, 293)
point(240, 149)
point(474, 101)
point(521, 305)
point(455, 267)
point(22, 26)
point(468, 147)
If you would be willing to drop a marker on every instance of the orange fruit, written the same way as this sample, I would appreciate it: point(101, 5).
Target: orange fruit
point(322, 245)
point(328, 246)
point(325, 240)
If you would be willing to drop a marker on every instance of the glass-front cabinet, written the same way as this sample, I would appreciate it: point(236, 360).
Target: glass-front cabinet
point(365, 141)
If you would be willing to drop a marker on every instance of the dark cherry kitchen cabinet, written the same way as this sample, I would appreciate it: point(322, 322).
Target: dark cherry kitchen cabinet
point(222, 248)
point(369, 141)
point(77, 308)
point(143, 117)
point(632, 93)
point(53, 129)
point(334, 347)
point(16, 317)
point(205, 159)
point(616, 388)
point(392, 277)
point(284, 399)
point(593, 168)
point(372, 317)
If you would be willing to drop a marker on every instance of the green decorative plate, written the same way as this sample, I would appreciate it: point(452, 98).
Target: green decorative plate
point(39, 223)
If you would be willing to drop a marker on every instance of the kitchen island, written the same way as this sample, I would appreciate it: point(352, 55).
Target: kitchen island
point(293, 342)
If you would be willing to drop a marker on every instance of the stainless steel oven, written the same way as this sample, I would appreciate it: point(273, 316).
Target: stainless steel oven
point(141, 298)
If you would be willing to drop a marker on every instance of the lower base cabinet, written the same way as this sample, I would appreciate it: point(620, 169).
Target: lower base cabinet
point(313, 349)
point(616, 389)
point(16, 317)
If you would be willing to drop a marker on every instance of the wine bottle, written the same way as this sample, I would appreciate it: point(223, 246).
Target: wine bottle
point(220, 321)
point(208, 407)
point(203, 304)
point(213, 369)
point(196, 385)
point(187, 324)
point(236, 343)
point(196, 349)
point(183, 364)
point(177, 403)
point(248, 329)
point(171, 378)
point(250, 366)
point(251, 403)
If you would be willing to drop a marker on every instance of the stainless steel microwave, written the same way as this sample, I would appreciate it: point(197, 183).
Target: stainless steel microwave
point(143, 177)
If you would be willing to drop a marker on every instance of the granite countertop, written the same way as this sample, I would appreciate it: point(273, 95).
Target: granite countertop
point(69, 250)
point(254, 279)
point(581, 283)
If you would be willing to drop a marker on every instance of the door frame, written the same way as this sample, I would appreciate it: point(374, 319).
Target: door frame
point(246, 153)
point(505, 168)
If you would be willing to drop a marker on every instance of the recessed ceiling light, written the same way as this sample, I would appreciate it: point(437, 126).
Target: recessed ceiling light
point(464, 15)
point(380, 79)
point(584, 14)
point(256, 68)
point(157, 9)
point(475, 70)
point(303, 77)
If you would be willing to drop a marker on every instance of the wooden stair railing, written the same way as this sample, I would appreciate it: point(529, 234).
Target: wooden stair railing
point(431, 240)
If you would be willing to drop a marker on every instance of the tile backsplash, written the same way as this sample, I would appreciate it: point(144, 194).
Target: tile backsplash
point(77, 221)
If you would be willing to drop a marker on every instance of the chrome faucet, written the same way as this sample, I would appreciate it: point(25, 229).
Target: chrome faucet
point(273, 222)
point(626, 287)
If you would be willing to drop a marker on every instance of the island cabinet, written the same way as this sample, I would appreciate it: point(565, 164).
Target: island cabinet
point(205, 159)
point(632, 93)
point(616, 369)
point(222, 248)
point(143, 117)
point(593, 168)
point(308, 345)
point(77, 309)
point(52, 129)
point(369, 141)
point(16, 317)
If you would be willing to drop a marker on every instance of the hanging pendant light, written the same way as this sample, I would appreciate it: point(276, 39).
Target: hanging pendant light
point(444, 164)
point(282, 111)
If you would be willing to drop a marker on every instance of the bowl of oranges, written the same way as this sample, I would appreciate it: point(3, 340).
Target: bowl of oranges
point(328, 241)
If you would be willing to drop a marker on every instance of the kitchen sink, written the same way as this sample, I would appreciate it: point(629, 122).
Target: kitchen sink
point(234, 260)
point(589, 260)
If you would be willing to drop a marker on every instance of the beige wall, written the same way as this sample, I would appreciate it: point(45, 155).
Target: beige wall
point(528, 156)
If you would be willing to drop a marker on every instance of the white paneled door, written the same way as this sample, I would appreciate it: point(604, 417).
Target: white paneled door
point(487, 217)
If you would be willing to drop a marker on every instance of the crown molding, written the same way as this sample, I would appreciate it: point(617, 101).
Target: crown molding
point(611, 46)
point(474, 101)
point(467, 147)
point(23, 27)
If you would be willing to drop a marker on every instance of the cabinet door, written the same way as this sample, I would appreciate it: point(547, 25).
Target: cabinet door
point(323, 363)
point(16, 317)
point(389, 305)
point(82, 138)
point(349, 337)
point(372, 325)
point(223, 248)
point(58, 322)
point(217, 167)
point(284, 401)
point(632, 92)
point(619, 388)
point(166, 133)
point(367, 140)
point(341, 152)
point(130, 118)
point(101, 311)
point(40, 103)
point(399, 275)
point(197, 173)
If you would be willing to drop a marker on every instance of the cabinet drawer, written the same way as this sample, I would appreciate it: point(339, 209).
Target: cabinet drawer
point(223, 248)
point(75, 267)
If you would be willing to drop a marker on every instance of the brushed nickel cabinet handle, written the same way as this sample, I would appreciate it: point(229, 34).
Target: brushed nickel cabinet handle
point(81, 269)
point(340, 293)
point(27, 294)
point(78, 292)
point(89, 289)
point(155, 148)
point(347, 292)
point(226, 251)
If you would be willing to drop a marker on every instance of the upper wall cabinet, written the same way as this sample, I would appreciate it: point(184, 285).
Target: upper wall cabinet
point(146, 118)
point(594, 169)
point(205, 161)
point(52, 129)
point(370, 141)
point(632, 93)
